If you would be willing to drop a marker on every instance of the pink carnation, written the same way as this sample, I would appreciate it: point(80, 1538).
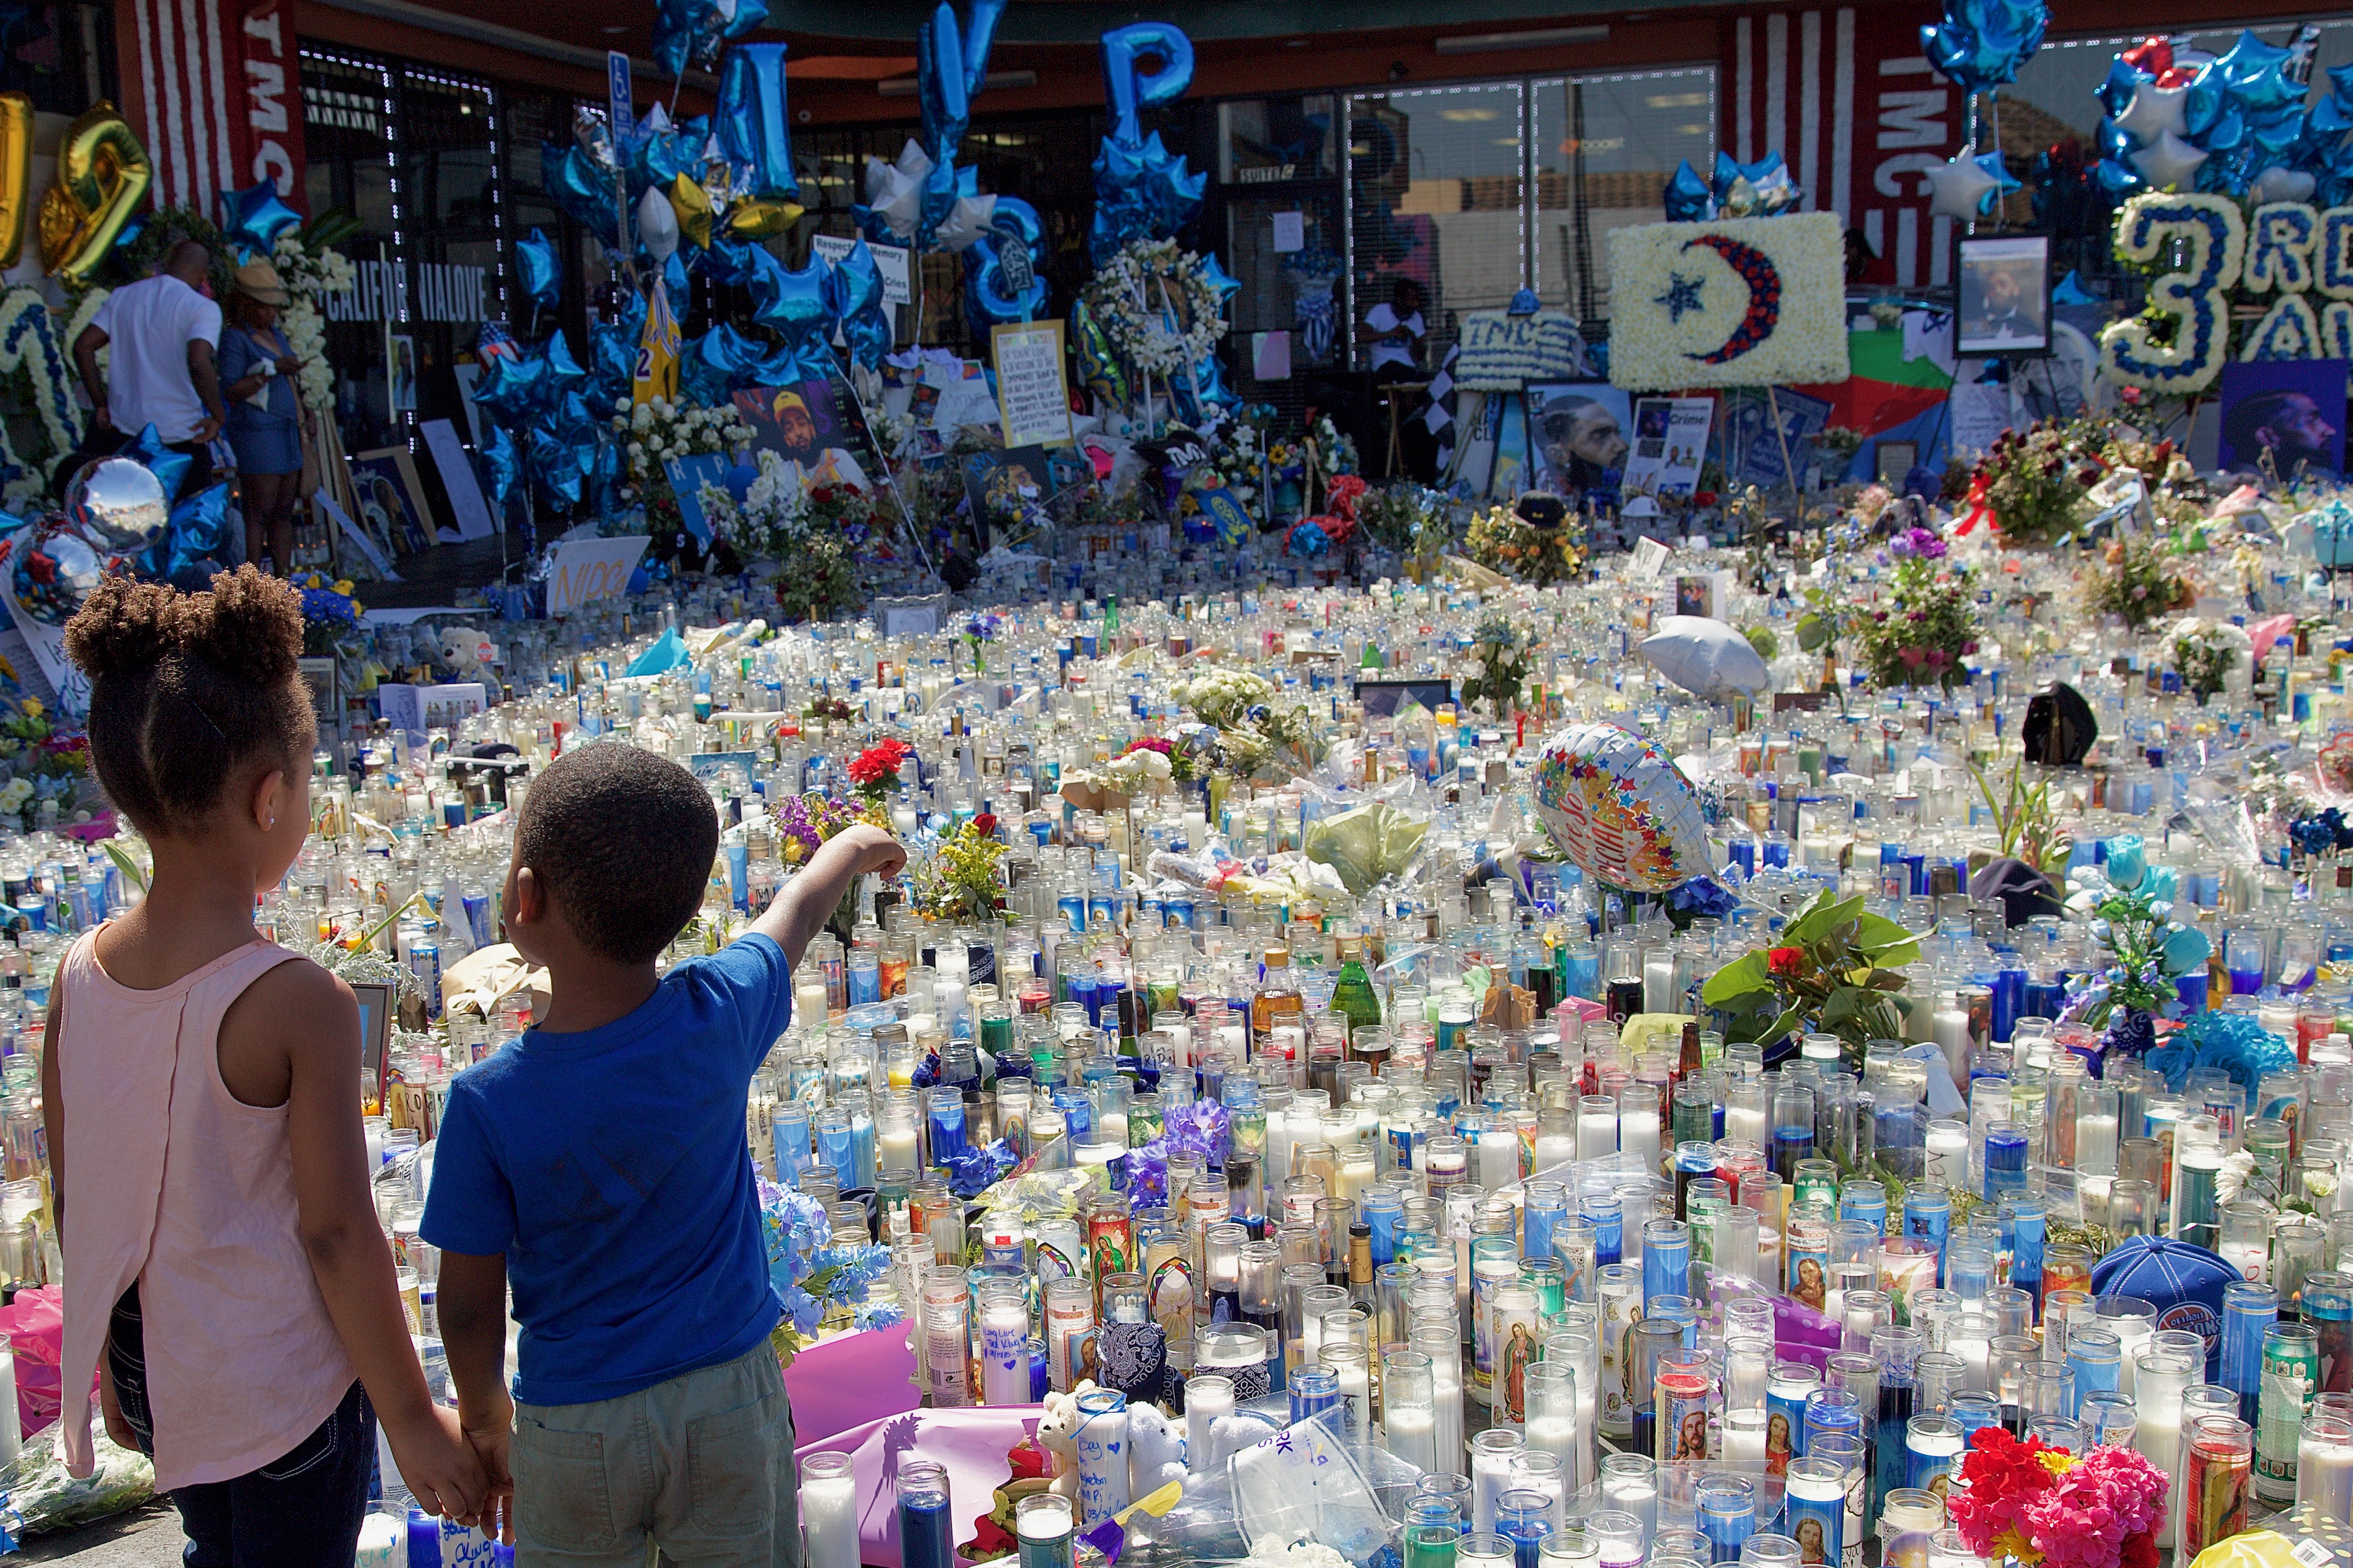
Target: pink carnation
point(2109, 1495)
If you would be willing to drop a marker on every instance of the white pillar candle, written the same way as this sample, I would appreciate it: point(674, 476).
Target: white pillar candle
point(1638, 1133)
point(1659, 984)
point(2323, 1474)
point(2096, 1142)
point(1206, 1398)
point(1554, 1150)
point(830, 1512)
point(896, 1147)
point(1746, 1123)
point(1412, 1436)
point(1596, 1132)
point(384, 1543)
point(1499, 1158)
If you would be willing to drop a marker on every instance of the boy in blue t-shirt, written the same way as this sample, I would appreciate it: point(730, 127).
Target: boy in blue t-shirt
point(599, 1165)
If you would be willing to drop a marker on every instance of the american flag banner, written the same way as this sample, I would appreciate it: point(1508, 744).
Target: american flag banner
point(213, 88)
point(1845, 95)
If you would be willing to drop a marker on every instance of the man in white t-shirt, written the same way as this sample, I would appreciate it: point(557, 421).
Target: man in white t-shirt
point(1393, 332)
point(163, 330)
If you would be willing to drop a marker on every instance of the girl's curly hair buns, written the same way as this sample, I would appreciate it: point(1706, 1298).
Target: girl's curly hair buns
point(189, 691)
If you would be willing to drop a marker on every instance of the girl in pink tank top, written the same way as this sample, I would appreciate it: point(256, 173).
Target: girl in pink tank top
point(225, 1275)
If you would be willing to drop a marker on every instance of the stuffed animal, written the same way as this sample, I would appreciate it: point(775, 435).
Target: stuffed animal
point(1156, 1450)
point(1054, 1433)
point(993, 1535)
point(466, 651)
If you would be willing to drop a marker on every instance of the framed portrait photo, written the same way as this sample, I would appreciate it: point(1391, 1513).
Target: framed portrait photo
point(2004, 287)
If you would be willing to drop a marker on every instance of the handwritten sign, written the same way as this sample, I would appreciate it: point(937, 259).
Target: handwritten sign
point(1503, 352)
point(1033, 400)
point(890, 260)
point(580, 570)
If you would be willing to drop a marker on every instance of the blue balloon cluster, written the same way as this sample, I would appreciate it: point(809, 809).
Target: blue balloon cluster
point(1141, 191)
point(1981, 44)
point(693, 29)
point(951, 63)
point(1762, 189)
point(542, 269)
point(2236, 125)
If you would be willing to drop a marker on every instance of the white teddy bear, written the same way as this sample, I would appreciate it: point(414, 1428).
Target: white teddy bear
point(1155, 1445)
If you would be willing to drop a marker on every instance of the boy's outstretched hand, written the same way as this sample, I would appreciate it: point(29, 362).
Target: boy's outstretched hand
point(878, 852)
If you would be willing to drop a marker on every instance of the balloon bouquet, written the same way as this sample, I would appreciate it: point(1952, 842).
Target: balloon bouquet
point(925, 201)
point(1978, 48)
point(1157, 293)
point(2234, 124)
point(669, 200)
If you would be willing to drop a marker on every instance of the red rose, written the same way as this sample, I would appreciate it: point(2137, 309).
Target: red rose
point(878, 761)
point(1783, 963)
point(987, 823)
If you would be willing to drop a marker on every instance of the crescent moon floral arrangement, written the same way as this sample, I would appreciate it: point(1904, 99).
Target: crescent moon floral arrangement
point(1740, 302)
point(1156, 306)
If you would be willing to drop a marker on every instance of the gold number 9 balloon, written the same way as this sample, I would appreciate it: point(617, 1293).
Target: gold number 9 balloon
point(102, 174)
point(16, 173)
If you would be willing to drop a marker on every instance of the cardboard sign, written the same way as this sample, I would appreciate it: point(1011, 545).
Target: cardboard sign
point(580, 570)
point(890, 260)
point(466, 499)
point(1033, 400)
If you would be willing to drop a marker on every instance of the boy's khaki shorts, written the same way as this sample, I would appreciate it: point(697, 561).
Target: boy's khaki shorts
point(701, 1466)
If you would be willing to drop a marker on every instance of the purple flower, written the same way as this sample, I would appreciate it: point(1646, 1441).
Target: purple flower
point(1924, 543)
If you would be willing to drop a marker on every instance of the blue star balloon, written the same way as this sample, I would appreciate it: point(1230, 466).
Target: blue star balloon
point(543, 271)
point(791, 302)
point(563, 372)
point(1981, 44)
point(513, 389)
point(503, 463)
point(256, 217)
point(578, 186)
point(854, 295)
point(1689, 198)
point(1992, 165)
point(555, 471)
point(2254, 73)
point(199, 531)
point(719, 362)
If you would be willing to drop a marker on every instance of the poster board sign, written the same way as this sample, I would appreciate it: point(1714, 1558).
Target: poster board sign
point(1033, 399)
point(1503, 352)
point(419, 708)
point(580, 570)
point(890, 260)
point(1670, 441)
point(467, 503)
point(47, 644)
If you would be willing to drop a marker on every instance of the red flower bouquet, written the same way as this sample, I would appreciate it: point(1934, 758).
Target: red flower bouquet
point(2041, 1504)
point(876, 768)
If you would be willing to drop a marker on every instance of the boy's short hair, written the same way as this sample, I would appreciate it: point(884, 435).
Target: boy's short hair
point(624, 840)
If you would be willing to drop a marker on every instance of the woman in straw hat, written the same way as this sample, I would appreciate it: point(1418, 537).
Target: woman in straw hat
point(257, 369)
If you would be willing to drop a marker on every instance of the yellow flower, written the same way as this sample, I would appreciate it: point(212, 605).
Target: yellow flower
point(32, 706)
point(2057, 1463)
point(345, 587)
point(2012, 1543)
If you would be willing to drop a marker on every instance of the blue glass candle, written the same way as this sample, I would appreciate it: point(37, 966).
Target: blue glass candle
point(925, 1539)
point(1864, 1199)
point(2095, 1364)
point(1524, 1518)
point(1727, 1516)
point(2008, 997)
point(1830, 1410)
point(424, 1540)
point(835, 1145)
point(943, 1114)
point(1546, 1205)
point(1973, 1411)
point(2005, 1162)
point(2022, 1221)
point(1314, 1389)
point(1383, 1210)
point(2247, 1311)
point(1666, 1260)
point(1606, 1212)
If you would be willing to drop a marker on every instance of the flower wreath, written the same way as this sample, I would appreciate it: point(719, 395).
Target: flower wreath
point(2178, 345)
point(1131, 298)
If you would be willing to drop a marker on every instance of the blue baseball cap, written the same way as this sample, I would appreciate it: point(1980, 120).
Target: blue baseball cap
point(2182, 1280)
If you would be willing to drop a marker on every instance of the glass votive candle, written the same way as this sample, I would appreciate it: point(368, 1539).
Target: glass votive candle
point(2324, 1466)
point(1629, 1486)
point(1620, 1538)
point(1571, 1546)
point(1491, 1453)
point(2109, 1416)
point(829, 1510)
point(1486, 1549)
point(1771, 1550)
point(1524, 1518)
point(1728, 1515)
point(1042, 1524)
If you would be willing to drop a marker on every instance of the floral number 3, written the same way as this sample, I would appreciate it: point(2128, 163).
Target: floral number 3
point(2178, 343)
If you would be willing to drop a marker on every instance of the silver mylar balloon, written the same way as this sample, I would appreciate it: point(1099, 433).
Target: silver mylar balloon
point(119, 503)
point(52, 569)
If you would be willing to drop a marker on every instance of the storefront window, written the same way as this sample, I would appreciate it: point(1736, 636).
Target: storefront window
point(1438, 214)
point(1278, 167)
point(61, 56)
point(1603, 150)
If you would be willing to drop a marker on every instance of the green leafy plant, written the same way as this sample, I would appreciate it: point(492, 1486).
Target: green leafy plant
point(1764, 639)
point(1838, 970)
point(2024, 822)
